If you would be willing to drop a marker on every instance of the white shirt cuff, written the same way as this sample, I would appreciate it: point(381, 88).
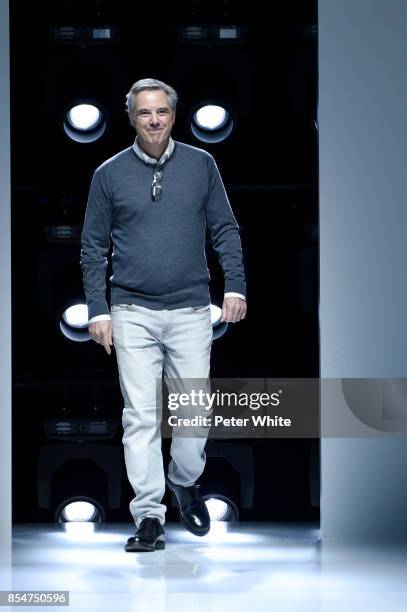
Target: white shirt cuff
point(233, 294)
point(102, 317)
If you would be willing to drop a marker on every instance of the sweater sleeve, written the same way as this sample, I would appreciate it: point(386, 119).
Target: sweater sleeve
point(95, 243)
point(224, 232)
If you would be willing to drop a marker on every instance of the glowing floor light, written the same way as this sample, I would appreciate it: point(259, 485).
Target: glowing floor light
point(76, 316)
point(74, 323)
point(221, 508)
point(219, 328)
point(211, 117)
point(84, 123)
point(211, 123)
point(79, 511)
point(84, 116)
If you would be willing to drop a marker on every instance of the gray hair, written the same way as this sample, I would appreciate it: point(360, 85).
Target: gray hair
point(143, 84)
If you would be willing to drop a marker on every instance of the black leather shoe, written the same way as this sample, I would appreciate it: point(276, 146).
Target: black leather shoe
point(149, 536)
point(192, 508)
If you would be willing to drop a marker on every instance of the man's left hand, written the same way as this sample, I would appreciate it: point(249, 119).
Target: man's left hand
point(233, 309)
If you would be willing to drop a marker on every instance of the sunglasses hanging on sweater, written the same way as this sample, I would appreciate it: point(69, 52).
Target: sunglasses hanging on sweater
point(156, 187)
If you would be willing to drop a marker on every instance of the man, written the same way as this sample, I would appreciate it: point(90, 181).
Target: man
point(153, 200)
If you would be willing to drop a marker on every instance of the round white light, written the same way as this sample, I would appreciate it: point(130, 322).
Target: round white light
point(219, 328)
point(77, 315)
point(211, 117)
point(217, 508)
point(211, 122)
point(84, 116)
point(216, 314)
point(79, 511)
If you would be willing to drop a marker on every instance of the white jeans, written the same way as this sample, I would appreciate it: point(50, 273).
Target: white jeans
point(148, 344)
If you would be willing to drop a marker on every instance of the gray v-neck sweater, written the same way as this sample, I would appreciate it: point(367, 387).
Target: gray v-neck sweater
point(158, 258)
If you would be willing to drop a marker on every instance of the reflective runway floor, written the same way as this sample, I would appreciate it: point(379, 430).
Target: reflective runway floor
point(244, 567)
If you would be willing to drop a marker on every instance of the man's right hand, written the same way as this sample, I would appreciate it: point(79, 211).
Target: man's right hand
point(101, 332)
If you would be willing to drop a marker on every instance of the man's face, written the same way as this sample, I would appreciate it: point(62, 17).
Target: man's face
point(152, 116)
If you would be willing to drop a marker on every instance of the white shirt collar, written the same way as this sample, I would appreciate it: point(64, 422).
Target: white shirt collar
point(151, 160)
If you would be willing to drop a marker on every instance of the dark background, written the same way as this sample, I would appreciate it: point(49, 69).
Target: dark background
point(269, 167)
